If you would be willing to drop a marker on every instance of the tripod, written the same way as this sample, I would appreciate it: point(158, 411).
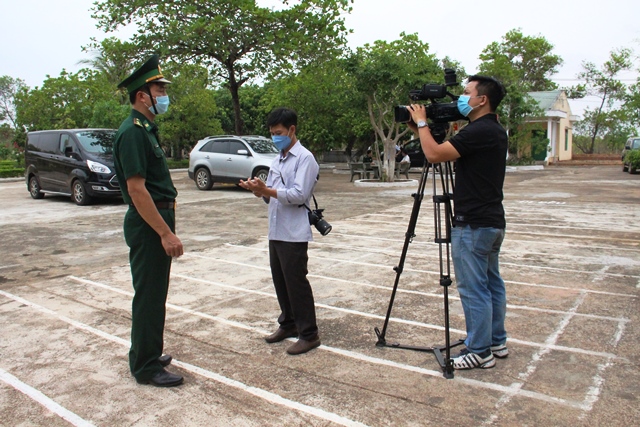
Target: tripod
point(442, 202)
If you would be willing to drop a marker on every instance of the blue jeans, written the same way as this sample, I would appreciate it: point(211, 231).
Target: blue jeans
point(482, 291)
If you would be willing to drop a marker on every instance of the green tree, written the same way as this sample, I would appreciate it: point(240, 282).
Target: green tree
point(108, 114)
point(251, 100)
point(384, 73)
point(602, 83)
point(113, 59)
point(331, 111)
point(62, 102)
point(236, 39)
point(523, 64)
point(632, 103)
point(192, 114)
point(9, 87)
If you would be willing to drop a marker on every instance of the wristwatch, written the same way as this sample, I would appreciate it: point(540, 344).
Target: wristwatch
point(421, 124)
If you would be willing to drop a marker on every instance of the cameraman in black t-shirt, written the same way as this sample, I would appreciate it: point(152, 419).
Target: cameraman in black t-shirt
point(480, 151)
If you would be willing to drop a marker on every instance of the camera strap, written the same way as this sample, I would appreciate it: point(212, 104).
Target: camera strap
point(315, 202)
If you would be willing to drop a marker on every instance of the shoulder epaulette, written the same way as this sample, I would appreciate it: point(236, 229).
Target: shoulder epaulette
point(137, 122)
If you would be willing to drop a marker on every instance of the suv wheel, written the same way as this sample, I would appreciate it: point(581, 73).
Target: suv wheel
point(79, 193)
point(624, 168)
point(203, 179)
point(262, 174)
point(34, 188)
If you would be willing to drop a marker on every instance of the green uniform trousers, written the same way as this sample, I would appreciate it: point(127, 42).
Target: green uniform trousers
point(150, 267)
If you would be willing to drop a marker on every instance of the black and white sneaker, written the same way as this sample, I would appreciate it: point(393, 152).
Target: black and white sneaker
point(468, 360)
point(500, 351)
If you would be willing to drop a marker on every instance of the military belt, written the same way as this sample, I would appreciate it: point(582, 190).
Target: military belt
point(163, 204)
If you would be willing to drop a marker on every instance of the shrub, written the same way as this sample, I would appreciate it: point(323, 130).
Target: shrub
point(178, 164)
point(10, 169)
point(633, 158)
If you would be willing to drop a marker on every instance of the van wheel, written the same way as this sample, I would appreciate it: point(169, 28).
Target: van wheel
point(624, 168)
point(203, 179)
point(34, 188)
point(79, 193)
point(262, 174)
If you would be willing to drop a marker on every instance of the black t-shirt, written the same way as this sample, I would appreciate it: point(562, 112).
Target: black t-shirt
point(477, 197)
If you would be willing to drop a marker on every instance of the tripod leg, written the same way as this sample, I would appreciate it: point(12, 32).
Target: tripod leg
point(410, 234)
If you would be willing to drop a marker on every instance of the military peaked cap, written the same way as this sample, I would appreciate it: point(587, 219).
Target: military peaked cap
point(149, 72)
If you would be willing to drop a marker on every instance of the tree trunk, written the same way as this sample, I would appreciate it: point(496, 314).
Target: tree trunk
point(592, 146)
point(234, 86)
point(389, 163)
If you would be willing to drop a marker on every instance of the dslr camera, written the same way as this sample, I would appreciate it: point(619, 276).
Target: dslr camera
point(437, 112)
point(316, 219)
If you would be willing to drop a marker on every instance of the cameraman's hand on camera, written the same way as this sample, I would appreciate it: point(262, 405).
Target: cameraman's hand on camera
point(418, 113)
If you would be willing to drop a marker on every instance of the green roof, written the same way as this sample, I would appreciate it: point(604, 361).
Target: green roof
point(546, 99)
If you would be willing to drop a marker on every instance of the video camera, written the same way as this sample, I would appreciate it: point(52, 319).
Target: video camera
point(437, 112)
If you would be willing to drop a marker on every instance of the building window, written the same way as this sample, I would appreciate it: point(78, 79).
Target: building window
point(566, 139)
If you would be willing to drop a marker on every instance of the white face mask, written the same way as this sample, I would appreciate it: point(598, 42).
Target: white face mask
point(160, 106)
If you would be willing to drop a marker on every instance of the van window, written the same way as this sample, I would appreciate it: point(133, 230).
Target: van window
point(99, 141)
point(47, 142)
point(636, 144)
point(66, 141)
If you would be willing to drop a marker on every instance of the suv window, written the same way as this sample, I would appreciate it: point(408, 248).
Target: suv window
point(235, 146)
point(216, 146)
point(262, 145)
point(636, 144)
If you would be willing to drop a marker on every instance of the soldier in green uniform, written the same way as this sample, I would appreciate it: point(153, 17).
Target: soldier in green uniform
point(149, 224)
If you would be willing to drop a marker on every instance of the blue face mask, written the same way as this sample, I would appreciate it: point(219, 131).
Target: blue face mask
point(281, 141)
point(463, 105)
point(161, 105)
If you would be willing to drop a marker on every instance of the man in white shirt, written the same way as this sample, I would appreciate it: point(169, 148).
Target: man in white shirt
point(289, 187)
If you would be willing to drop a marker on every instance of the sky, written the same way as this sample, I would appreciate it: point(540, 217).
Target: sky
point(42, 37)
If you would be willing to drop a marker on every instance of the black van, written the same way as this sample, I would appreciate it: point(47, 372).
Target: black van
point(72, 162)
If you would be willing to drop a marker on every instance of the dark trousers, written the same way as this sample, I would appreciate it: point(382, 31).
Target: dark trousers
point(150, 267)
point(289, 272)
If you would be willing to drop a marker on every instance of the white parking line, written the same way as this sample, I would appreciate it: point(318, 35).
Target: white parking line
point(537, 357)
point(395, 319)
point(515, 389)
point(407, 291)
point(509, 239)
point(598, 381)
point(263, 394)
point(434, 256)
point(415, 270)
point(43, 400)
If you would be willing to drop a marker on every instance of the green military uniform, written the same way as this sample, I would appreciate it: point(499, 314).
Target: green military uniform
point(137, 152)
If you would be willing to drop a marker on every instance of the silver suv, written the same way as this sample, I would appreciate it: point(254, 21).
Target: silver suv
point(228, 159)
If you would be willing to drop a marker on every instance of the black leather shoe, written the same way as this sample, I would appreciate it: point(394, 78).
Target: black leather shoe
point(165, 360)
point(281, 334)
point(163, 379)
point(302, 346)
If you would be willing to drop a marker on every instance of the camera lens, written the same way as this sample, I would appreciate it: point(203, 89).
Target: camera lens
point(323, 227)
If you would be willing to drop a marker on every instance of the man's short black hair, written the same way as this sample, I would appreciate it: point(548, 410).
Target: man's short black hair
point(491, 88)
point(144, 88)
point(282, 116)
